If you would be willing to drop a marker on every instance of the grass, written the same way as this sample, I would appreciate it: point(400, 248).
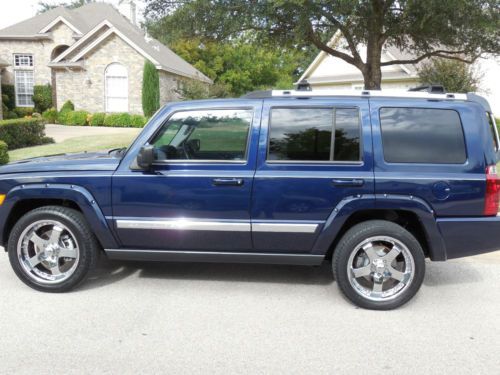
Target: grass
point(77, 144)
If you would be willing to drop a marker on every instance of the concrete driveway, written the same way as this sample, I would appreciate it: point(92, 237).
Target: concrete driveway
point(62, 132)
point(224, 319)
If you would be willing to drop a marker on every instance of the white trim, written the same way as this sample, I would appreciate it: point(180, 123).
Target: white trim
point(122, 36)
point(82, 40)
point(92, 45)
point(55, 22)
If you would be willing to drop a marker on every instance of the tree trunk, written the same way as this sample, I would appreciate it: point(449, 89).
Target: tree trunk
point(373, 77)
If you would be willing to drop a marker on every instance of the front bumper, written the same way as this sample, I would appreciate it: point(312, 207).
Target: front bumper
point(470, 236)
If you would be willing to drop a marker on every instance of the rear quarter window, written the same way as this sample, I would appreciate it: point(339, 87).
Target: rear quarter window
point(422, 135)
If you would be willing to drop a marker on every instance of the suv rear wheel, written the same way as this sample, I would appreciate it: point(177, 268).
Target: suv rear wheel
point(378, 265)
point(52, 249)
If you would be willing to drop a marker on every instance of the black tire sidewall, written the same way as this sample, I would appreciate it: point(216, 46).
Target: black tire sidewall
point(75, 221)
point(355, 236)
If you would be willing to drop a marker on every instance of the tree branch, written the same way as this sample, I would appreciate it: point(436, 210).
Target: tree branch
point(348, 37)
point(452, 55)
point(313, 38)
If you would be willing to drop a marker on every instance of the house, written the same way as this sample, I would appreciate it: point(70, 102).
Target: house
point(328, 72)
point(92, 55)
point(3, 64)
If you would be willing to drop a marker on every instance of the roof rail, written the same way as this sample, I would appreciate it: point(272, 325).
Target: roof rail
point(353, 93)
point(434, 89)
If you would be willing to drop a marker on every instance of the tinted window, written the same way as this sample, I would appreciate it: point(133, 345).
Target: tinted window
point(492, 130)
point(204, 135)
point(306, 134)
point(421, 135)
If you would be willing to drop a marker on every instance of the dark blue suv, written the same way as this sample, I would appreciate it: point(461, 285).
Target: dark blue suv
point(373, 181)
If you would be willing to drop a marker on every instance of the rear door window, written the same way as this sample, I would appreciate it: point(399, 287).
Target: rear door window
point(422, 135)
point(314, 134)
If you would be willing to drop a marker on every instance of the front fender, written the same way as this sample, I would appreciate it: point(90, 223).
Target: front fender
point(349, 206)
point(77, 194)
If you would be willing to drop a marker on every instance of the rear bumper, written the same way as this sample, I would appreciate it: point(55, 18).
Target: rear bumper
point(470, 236)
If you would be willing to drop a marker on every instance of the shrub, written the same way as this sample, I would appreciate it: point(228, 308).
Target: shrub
point(9, 96)
point(150, 89)
point(68, 106)
point(23, 132)
point(98, 119)
point(118, 119)
point(4, 155)
point(42, 97)
point(77, 118)
point(11, 115)
point(50, 115)
point(138, 121)
point(23, 111)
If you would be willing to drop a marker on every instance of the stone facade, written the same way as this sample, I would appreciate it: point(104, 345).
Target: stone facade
point(41, 51)
point(86, 88)
point(169, 84)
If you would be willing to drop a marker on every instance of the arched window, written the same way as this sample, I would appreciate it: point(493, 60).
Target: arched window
point(116, 88)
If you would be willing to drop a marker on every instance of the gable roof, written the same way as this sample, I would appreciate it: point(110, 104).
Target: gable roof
point(396, 72)
point(88, 18)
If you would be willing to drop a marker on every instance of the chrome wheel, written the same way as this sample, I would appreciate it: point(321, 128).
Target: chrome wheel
point(380, 268)
point(48, 252)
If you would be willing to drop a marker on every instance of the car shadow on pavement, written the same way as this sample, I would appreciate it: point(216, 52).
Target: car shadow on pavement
point(450, 273)
point(109, 272)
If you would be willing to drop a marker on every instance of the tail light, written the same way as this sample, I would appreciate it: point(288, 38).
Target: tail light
point(492, 196)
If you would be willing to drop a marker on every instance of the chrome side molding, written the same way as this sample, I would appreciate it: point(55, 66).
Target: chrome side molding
point(225, 226)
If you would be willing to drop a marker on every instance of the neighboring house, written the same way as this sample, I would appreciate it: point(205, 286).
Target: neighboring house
point(3, 64)
point(328, 72)
point(91, 55)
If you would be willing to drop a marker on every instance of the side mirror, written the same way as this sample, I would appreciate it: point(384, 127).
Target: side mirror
point(146, 157)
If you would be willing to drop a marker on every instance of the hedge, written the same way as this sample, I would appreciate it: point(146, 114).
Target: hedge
point(50, 115)
point(4, 155)
point(83, 118)
point(23, 132)
point(78, 118)
point(97, 119)
point(42, 97)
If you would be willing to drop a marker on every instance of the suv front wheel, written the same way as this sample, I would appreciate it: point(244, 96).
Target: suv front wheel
point(52, 249)
point(378, 265)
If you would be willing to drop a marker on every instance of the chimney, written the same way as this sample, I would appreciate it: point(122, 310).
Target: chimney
point(128, 9)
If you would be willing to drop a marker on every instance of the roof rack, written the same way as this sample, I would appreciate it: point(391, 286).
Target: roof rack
point(433, 89)
point(353, 93)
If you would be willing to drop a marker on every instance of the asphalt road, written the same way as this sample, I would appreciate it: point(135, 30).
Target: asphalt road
point(226, 319)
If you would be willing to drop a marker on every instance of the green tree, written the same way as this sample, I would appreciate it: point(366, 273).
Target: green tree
point(150, 89)
point(455, 76)
point(454, 29)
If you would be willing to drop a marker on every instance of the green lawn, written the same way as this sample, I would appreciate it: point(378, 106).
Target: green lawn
point(77, 144)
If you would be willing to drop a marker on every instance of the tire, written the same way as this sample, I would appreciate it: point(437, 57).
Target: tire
point(378, 265)
point(52, 249)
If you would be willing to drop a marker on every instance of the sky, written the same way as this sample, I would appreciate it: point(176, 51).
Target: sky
point(14, 11)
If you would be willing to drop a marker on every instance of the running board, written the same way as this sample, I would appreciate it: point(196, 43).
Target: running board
point(214, 257)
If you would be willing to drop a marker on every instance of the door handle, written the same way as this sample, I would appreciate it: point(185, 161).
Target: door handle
point(348, 182)
point(228, 181)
